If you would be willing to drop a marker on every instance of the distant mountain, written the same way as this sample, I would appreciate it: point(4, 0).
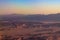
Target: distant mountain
point(35, 17)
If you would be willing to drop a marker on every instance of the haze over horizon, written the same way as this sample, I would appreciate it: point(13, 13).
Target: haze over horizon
point(29, 6)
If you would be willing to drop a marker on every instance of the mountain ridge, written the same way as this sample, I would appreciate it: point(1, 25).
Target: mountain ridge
point(35, 17)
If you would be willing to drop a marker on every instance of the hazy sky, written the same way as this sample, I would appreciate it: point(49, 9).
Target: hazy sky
point(29, 6)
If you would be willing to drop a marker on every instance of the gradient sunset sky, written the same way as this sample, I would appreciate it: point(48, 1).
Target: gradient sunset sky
point(29, 6)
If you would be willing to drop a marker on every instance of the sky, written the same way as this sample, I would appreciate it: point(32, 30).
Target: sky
point(29, 6)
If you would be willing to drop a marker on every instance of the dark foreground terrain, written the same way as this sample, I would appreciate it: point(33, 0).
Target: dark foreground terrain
point(29, 30)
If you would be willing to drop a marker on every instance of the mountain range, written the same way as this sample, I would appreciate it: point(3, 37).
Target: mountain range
point(34, 17)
